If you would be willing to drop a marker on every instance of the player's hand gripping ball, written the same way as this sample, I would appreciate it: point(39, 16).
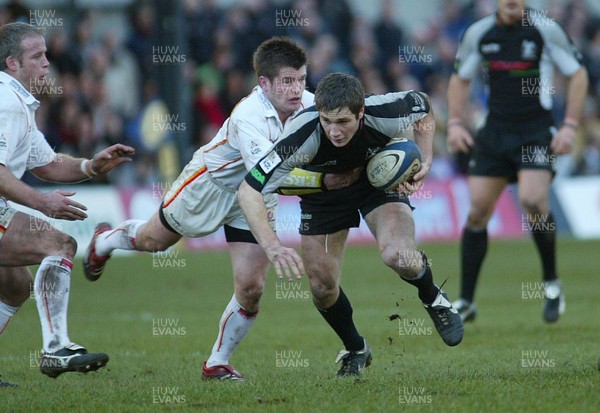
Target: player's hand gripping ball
point(395, 163)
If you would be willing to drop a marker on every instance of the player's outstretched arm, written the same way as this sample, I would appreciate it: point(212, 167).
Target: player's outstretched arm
point(55, 204)
point(285, 260)
point(65, 168)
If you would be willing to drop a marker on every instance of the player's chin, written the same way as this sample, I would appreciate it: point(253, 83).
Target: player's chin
point(294, 104)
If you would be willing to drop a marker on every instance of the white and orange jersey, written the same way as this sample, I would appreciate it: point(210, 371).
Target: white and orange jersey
point(22, 145)
point(250, 131)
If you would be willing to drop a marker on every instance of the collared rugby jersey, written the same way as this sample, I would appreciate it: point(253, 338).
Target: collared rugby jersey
point(518, 63)
point(22, 145)
point(306, 146)
point(250, 131)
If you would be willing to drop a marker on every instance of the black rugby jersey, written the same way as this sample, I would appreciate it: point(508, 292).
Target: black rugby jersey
point(518, 63)
point(306, 146)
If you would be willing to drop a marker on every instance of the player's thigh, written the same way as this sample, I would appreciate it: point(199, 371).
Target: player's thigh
point(322, 256)
point(392, 225)
point(27, 240)
point(534, 187)
point(484, 192)
point(15, 285)
point(154, 236)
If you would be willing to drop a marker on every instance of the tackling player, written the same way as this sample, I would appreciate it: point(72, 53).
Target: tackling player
point(203, 197)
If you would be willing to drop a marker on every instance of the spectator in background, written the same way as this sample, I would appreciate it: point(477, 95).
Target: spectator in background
point(225, 36)
point(141, 40)
point(120, 77)
point(202, 22)
point(389, 35)
point(64, 58)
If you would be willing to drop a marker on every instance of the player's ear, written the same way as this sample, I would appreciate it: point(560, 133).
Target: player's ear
point(361, 113)
point(12, 63)
point(264, 83)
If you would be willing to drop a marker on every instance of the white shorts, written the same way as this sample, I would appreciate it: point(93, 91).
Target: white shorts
point(198, 205)
point(6, 215)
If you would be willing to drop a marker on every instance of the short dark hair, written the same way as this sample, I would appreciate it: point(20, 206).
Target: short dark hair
point(11, 36)
point(340, 90)
point(276, 53)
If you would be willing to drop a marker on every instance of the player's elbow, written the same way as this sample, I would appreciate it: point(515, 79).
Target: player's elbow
point(581, 78)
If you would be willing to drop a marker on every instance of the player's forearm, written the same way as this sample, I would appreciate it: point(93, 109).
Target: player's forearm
point(253, 205)
point(458, 96)
point(67, 169)
point(576, 95)
point(423, 133)
point(18, 191)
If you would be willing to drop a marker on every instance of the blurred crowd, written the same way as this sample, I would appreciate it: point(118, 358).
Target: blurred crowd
point(105, 84)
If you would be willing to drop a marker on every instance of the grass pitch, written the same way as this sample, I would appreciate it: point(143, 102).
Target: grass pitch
point(156, 316)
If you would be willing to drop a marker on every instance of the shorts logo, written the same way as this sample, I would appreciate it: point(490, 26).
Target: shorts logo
point(174, 220)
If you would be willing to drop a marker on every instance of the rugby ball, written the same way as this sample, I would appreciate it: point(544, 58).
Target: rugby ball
point(395, 163)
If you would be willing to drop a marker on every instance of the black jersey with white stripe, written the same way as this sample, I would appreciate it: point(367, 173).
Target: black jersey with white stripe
point(306, 146)
point(518, 63)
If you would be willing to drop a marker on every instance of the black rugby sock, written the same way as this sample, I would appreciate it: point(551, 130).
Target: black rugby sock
point(424, 283)
point(473, 249)
point(339, 317)
point(544, 235)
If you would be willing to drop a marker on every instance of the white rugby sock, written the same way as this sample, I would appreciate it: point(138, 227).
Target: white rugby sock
point(6, 313)
point(121, 237)
point(233, 327)
point(51, 288)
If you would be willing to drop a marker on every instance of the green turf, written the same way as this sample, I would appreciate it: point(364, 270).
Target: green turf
point(509, 361)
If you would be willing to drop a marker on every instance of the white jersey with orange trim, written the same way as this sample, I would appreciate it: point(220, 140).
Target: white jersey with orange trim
point(22, 146)
point(203, 198)
point(245, 137)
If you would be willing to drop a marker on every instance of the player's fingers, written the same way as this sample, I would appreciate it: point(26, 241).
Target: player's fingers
point(77, 213)
point(462, 146)
point(123, 149)
point(75, 204)
point(277, 267)
point(71, 215)
point(286, 268)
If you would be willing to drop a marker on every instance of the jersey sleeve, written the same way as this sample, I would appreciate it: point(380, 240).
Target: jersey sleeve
point(252, 143)
point(468, 58)
point(41, 153)
point(560, 48)
point(10, 120)
point(296, 149)
point(393, 113)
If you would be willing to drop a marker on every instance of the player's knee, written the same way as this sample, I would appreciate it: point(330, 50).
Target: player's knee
point(250, 292)
point(477, 218)
point(64, 245)
point(532, 205)
point(324, 293)
point(400, 256)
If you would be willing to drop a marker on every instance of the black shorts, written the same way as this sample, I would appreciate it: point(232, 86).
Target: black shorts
point(503, 149)
point(231, 234)
point(332, 211)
